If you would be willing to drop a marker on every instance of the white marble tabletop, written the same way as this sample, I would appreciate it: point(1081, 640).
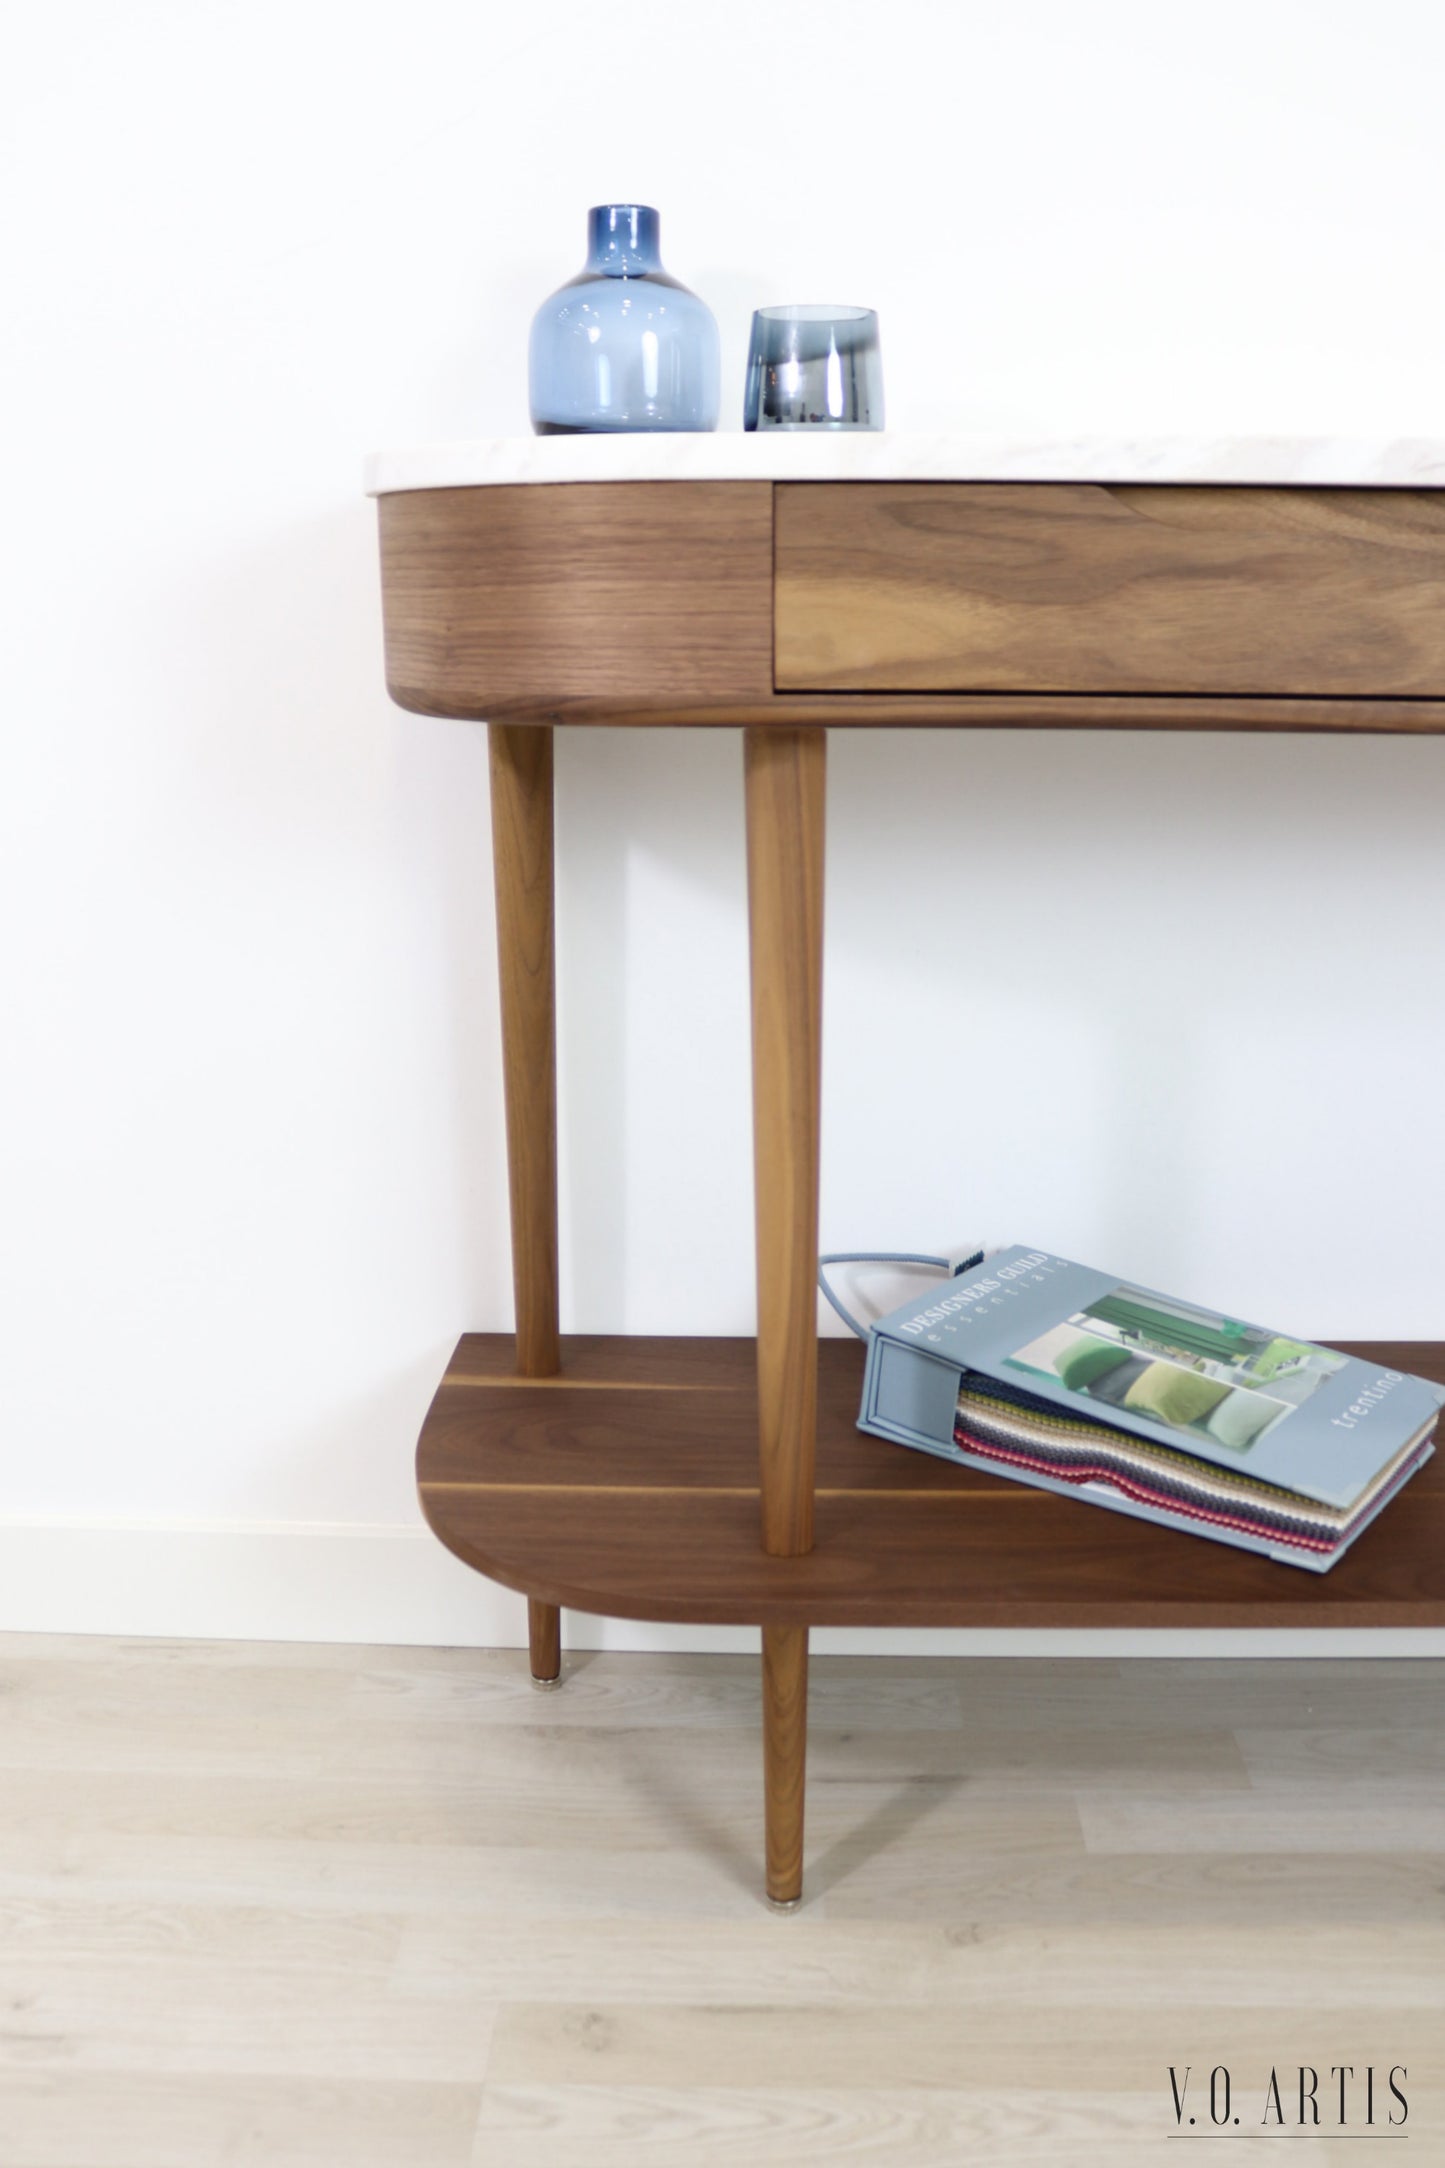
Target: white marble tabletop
point(777, 455)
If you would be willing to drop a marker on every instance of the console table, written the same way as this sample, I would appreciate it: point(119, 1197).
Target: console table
point(789, 585)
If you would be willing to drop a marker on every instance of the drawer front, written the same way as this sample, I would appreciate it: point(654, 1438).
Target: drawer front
point(1060, 587)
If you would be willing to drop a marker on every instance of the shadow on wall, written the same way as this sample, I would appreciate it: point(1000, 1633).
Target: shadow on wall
point(317, 1136)
point(1138, 997)
point(653, 1027)
point(1129, 995)
point(360, 837)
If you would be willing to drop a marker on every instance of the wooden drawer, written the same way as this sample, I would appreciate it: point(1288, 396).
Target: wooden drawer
point(1052, 587)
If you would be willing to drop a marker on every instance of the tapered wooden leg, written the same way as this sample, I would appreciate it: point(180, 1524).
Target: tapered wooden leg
point(521, 761)
point(522, 862)
point(785, 1747)
point(544, 1633)
point(785, 772)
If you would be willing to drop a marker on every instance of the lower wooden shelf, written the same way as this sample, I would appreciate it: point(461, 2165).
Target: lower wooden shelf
point(627, 1486)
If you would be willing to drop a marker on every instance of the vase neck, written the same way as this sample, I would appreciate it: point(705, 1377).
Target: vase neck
point(622, 240)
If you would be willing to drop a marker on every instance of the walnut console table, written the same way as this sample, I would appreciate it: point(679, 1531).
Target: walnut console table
point(789, 585)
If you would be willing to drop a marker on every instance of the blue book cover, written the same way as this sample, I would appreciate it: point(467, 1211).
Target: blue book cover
point(1092, 1385)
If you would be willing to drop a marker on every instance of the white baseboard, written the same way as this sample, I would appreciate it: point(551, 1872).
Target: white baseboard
point(385, 1584)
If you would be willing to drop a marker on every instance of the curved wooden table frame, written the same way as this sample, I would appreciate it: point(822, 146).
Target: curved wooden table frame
point(676, 1479)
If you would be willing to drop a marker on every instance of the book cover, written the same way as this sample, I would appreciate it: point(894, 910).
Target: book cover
point(1057, 1368)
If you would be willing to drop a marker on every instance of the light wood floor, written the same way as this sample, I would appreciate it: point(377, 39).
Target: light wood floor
point(274, 1906)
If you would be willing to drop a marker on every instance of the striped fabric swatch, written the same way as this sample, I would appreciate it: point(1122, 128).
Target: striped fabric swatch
point(1035, 1437)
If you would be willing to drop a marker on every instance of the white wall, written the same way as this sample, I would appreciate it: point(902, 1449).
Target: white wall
point(1169, 1003)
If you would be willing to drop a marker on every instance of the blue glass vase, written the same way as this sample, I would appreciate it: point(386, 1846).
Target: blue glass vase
point(623, 346)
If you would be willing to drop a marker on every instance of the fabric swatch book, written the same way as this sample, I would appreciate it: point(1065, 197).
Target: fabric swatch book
point(1069, 1378)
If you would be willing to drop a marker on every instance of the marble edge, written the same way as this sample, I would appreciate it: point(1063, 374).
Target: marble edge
point(777, 456)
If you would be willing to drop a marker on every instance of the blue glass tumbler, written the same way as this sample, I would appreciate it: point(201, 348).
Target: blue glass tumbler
point(814, 366)
point(622, 345)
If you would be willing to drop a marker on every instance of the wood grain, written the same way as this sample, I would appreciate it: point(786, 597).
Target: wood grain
point(544, 1637)
point(785, 784)
point(509, 603)
point(1079, 588)
point(652, 604)
point(142, 2118)
point(776, 2124)
point(998, 2046)
point(521, 764)
point(201, 1973)
point(1007, 711)
point(785, 1746)
point(641, 1499)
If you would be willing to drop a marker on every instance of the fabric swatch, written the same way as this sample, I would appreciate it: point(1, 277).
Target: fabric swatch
point(1046, 1442)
